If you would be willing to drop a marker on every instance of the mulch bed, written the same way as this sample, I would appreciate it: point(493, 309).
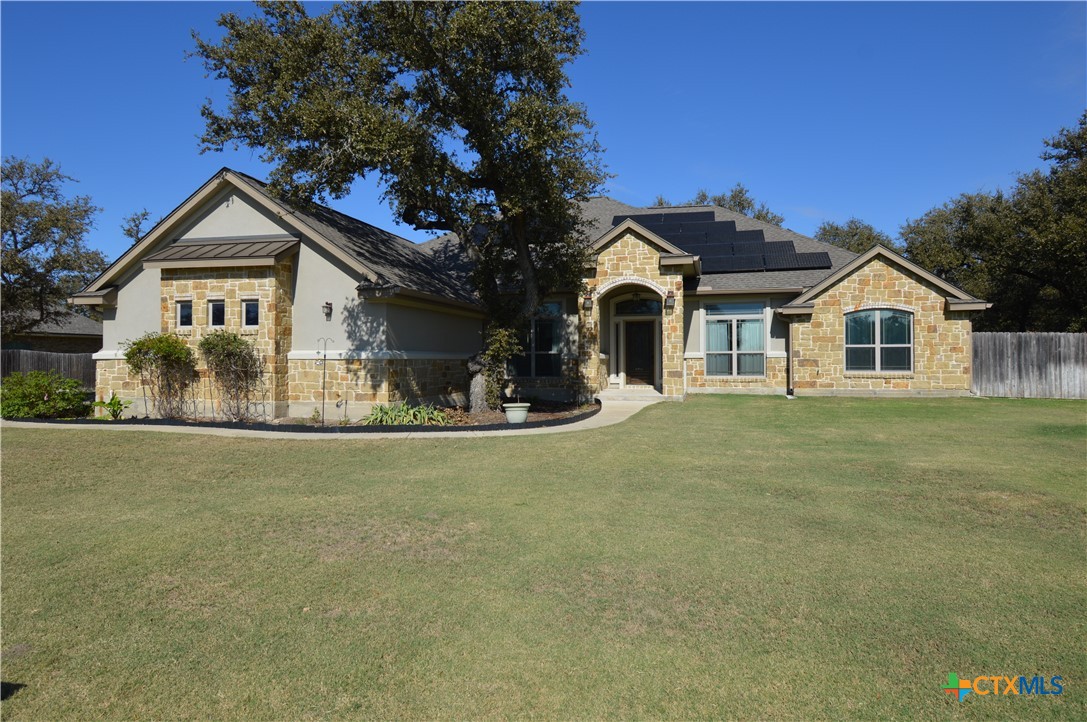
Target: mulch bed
point(547, 415)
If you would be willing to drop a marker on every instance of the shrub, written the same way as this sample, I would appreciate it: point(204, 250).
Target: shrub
point(167, 365)
point(502, 345)
point(403, 414)
point(236, 369)
point(42, 395)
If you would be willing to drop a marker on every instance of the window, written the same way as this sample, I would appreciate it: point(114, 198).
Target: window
point(216, 313)
point(250, 313)
point(542, 343)
point(638, 307)
point(879, 340)
point(184, 314)
point(735, 339)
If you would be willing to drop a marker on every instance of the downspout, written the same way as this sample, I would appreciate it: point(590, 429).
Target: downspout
point(789, 362)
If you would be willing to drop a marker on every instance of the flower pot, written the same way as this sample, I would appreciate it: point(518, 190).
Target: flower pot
point(516, 413)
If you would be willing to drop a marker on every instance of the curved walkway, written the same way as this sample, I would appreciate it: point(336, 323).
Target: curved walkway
point(611, 412)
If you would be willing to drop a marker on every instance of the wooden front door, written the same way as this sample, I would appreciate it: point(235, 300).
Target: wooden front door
point(638, 352)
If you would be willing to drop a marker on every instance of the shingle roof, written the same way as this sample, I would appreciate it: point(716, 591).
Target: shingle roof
point(396, 260)
point(73, 325)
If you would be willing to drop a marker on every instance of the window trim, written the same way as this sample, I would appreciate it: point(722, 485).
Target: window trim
point(709, 317)
point(877, 345)
point(211, 314)
point(177, 313)
point(245, 302)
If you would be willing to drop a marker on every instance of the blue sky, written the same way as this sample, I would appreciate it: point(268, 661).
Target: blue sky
point(823, 110)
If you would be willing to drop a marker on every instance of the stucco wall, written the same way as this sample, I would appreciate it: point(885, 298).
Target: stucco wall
point(229, 214)
point(432, 331)
point(355, 324)
point(941, 338)
point(136, 312)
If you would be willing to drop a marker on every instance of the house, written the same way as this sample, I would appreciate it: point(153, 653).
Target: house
point(75, 333)
point(676, 300)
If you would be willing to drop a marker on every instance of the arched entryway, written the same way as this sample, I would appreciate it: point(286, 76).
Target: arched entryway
point(631, 335)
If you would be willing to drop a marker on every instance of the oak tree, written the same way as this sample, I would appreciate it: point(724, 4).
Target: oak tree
point(45, 257)
point(458, 108)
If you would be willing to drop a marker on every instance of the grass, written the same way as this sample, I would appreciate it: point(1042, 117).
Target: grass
point(737, 557)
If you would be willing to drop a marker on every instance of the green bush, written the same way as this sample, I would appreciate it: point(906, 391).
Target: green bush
point(403, 414)
point(502, 345)
point(42, 395)
point(237, 370)
point(167, 365)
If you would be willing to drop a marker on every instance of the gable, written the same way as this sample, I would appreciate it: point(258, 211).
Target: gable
point(230, 214)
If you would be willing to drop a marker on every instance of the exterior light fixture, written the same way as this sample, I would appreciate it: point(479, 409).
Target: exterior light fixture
point(670, 300)
point(587, 302)
point(327, 309)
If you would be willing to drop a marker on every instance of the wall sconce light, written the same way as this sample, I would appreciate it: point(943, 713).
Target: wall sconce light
point(327, 309)
point(670, 300)
point(587, 302)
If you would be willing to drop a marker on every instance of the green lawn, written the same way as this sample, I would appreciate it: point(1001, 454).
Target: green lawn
point(738, 557)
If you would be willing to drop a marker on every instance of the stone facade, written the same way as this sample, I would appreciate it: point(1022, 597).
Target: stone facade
point(270, 286)
point(631, 263)
point(360, 383)
point(941, 338)
point(774, 381)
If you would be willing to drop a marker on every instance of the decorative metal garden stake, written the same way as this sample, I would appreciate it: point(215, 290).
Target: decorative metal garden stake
point(324, 373)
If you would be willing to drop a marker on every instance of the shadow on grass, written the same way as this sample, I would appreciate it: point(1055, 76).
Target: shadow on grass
point(7, 689)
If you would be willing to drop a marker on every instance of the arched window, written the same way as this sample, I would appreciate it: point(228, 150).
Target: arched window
point(879, 340)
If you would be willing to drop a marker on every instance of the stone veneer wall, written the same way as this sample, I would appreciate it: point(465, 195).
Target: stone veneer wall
point(364, 382)
point(272, 337)
point(773, 382)
point(629, 257)
point(941, 344)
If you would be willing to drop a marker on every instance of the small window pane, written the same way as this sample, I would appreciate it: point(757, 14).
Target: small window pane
point(719, 364)
point(895, 358)
point(894, 327)
point(520, 366)
point(250, 313)
point(184, 314)
point(640, 307)
point(551, 308)
point(860, 359)
point(548, 336)
point(734, 309)
point(718, 336)
point(860, 328)
point(548, 364)
point(217, 312)
point(751, 364)
point(749, 336)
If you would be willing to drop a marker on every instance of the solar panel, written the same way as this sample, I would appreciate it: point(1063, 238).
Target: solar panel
point(820, 259)
point(647, 219)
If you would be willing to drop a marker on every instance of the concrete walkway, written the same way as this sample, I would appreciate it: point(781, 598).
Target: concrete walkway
point(611, 412)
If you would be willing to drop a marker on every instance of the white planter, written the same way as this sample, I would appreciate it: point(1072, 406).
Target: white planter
point(516, 413)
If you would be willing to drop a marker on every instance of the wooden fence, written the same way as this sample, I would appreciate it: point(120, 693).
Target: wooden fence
point(79, 366)
point(1030, 365)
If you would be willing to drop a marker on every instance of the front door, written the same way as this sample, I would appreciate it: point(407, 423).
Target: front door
point(638, 353)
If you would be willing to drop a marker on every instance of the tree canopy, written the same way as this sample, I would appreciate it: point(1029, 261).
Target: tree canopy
point(853, 235)
point(738, 199)
point(1024, 250)
point(45, 255)
point(458, 108)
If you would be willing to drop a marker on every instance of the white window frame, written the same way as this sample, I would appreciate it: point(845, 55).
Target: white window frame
point(177, 316)
point(245, 302)
point(211, 315)
point(732, 317)
point(877, 345)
